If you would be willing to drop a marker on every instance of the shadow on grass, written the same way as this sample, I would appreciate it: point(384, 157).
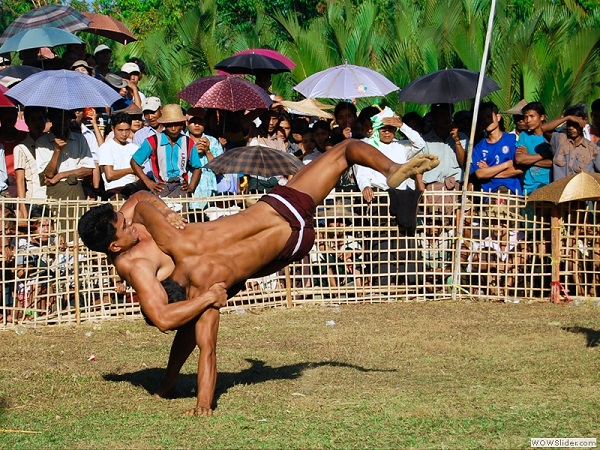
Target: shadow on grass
point(592, 336)
point(258, 372)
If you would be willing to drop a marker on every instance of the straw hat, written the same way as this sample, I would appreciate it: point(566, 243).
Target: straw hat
point(308, 107)
point(172, 113)
point(517, 109)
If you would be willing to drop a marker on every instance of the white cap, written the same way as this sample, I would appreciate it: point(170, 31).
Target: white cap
point(101, 48)
point(130, 68)
point(151, 104)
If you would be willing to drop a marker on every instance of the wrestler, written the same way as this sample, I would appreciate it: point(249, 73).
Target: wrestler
point(206, 257)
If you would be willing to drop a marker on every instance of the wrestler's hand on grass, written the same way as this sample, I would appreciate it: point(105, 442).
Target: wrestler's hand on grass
point(198, 411)
point(176, 220)
point(219, 292)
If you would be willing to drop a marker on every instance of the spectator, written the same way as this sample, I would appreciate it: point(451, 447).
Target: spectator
point(10, 137)
point(8, 220)
point(573, 153)
point(115, 159)
point(534, 155)
point(345, 116)
point(93, 187)
point(445, 141)
point(518, 117)
point(64, 158)
point(309, 145)
point(27, 171)
point(284, 131)
point(363, 127)
point(83, 67)
point(414, 120)
point(208, 148)
point(102, 56)
point(492, 160)
point(266, 135)
point(299, 127)
point(152, 111)
point(3, 174)
point(133, 75)
point(321, 130)
point(172, 154)
point(4, 61)
point(592, 133)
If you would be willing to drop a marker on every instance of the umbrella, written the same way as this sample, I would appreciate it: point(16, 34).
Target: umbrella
point(309, 107)
point(4, 101)
point(38, 37)
point(581, 186)
point(346, 81)
point(265, 52)
point(109, 27)
point(250, 63)
point(234, 94)
point(63, 89)
point(63, 17)
point(193, 91)
point(13, 74)
point(256, 160)
point(446, 86)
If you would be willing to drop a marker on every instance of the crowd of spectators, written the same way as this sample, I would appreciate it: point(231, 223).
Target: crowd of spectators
point(139, 143)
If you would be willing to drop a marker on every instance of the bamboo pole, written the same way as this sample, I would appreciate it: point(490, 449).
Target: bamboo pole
point(288, 286)
point(555, 242)
point(461, 220)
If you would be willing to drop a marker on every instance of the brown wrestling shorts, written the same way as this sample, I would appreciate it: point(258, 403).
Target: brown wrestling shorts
point(298, 209)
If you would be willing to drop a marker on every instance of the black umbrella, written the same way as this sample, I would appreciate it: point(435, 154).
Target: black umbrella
point(250, 63)
point(256, 160)
point(446, 86)
point(14, 74)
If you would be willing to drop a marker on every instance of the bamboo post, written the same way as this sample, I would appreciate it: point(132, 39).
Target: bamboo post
point(76, 275)
point(555, 242)
point(288, 286)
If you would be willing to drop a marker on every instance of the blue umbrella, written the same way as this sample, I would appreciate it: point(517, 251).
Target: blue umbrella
point(38, 37)
point(63, 89)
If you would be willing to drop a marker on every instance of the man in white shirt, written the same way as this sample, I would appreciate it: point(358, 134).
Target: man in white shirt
point(115, 157)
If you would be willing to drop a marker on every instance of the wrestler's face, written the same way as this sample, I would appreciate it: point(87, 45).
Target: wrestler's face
point(126, 235)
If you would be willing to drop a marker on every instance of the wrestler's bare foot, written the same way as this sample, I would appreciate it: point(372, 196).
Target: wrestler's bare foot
point(198, 411)
point(418, 164)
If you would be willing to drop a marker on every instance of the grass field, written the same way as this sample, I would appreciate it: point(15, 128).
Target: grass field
point(398, 375)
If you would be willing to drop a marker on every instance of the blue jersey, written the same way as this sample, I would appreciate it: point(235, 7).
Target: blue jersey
point(494, 154)
point(535, 177)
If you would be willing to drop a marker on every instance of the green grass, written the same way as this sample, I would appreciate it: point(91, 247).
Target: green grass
point(399, 375)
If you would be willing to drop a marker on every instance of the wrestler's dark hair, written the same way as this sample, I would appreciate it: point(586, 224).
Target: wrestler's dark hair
point(175, 293)
point(97, 227)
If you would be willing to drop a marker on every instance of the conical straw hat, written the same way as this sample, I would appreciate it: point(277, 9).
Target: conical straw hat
point(582, 186)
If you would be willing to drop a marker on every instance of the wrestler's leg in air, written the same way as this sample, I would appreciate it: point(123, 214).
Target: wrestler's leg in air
point(318, 178)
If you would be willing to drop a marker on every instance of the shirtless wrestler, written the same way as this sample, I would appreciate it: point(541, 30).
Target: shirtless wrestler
point(153, 243)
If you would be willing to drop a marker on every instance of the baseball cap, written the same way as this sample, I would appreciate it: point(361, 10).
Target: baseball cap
point(101, 48)
point(151, 104)
point(130, 68)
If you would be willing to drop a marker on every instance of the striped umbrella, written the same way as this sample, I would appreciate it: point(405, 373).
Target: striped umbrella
point(255, 160)
point(58, 16)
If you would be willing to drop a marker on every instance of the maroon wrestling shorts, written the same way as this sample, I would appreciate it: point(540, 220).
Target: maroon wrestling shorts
point(298, 209)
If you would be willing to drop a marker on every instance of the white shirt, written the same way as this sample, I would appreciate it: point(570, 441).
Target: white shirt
point(111, 153)
point(399, 152)
point(75, 155)
point(90, 138)
point(25, 161)
point(445, 151)
point(3, 171)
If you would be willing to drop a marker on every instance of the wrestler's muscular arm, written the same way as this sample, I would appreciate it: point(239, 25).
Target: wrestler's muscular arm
point(141, 274)
point(171, 216)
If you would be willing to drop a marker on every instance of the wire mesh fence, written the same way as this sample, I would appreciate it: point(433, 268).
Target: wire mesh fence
point(510, 250)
